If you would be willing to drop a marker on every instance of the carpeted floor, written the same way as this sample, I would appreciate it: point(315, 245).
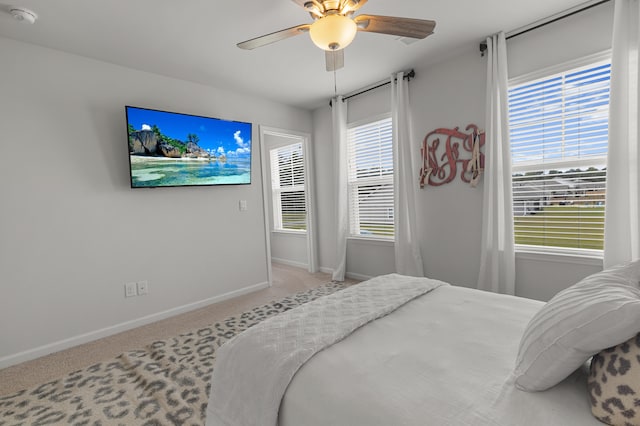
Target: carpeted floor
point(165, 382)
point(286, 280)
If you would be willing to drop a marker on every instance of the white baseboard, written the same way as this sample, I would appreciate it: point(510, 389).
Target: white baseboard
point(355, 276)
point(118, 328)
point(326, 270)
point(351, 275)
point(290, 263)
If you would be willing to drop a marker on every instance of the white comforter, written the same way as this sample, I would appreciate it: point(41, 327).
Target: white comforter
point(254, 369)
point(444, 358)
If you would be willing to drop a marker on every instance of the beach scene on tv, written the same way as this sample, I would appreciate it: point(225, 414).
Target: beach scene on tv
point(171, 149)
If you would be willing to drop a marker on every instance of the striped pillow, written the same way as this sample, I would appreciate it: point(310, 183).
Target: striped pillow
point(598, 312)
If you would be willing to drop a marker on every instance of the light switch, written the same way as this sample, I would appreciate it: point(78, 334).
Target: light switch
point(243, 205)
point(130, 290)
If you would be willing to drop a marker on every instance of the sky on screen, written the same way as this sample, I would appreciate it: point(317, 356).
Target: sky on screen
point(233, 138)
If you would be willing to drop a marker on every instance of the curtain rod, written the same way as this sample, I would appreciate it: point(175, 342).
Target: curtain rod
point(546, 21)
point(407, 74)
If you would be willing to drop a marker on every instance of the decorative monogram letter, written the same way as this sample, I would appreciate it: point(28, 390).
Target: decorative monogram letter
point(440, 166)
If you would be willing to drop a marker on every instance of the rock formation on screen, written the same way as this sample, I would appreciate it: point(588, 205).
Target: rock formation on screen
point(150, 143)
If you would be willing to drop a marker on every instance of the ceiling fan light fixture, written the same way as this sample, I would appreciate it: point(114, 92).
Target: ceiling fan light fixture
point(333, 32)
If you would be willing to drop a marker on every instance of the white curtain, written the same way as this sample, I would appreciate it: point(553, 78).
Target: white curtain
point(407, 249)
point(339, 118)
point(497, 261)
point(622, 217)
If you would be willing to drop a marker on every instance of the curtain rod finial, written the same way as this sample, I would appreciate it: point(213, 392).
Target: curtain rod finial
point(483, 48)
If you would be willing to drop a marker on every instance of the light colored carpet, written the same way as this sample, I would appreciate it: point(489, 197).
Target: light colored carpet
point(166, 382)
point(286, 281)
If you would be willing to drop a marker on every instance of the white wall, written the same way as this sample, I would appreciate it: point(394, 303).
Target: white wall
point(323, 156)
point(289, 248)
point(449, 94)
point(574, 37)
point(72, 232)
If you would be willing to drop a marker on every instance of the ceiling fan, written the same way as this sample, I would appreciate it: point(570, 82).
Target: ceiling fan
point(334, 28)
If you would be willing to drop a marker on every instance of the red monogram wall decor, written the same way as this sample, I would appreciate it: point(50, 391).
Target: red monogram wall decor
point(440, 165)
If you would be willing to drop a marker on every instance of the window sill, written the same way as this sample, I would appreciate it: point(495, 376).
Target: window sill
point(289, 232)
point(575, 256)
point(371, 240)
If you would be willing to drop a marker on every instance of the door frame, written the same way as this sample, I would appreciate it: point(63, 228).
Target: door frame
point(309, 185)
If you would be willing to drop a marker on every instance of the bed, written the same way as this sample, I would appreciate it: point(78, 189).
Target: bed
point(444, 356)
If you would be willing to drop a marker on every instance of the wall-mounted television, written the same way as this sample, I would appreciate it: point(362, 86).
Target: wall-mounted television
point(173, 149)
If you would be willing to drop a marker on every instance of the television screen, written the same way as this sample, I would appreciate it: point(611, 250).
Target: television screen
point(171, 149)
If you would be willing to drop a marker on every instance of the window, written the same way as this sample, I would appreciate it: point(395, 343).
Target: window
point(288, 188)
point(559, 137)
point(370, 178)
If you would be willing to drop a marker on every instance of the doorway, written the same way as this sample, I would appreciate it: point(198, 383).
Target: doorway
point(287, 184)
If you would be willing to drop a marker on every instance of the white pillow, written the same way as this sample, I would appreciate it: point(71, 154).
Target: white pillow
point(598, 312)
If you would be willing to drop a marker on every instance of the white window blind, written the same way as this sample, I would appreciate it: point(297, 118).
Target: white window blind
point(559, 137)
point(370, 179)
point(288, 188)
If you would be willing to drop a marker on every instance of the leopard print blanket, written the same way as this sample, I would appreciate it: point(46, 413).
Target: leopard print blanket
point(165, 383)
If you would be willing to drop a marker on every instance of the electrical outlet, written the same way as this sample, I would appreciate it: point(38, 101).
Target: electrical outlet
point(130, 290)
point(143, 287)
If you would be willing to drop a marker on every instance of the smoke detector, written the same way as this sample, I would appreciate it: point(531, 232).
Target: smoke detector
point(23, 15)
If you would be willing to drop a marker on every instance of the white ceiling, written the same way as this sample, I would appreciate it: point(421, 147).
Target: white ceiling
point(195, 40)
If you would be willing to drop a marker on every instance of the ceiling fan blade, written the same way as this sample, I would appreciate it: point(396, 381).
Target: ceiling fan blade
point(273, 37)
point(404, 27)
point(334, 59)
